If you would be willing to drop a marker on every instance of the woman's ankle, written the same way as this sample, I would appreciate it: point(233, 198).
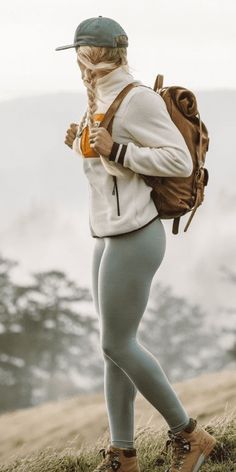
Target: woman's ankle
point(123, 443)
point(189, 426)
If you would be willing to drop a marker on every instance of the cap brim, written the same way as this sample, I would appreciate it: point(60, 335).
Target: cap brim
point(66, 47)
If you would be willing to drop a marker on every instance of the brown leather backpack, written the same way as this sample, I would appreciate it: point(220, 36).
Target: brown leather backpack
point(175, 196)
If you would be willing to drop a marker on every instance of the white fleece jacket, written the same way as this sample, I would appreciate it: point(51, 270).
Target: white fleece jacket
point(146, 141)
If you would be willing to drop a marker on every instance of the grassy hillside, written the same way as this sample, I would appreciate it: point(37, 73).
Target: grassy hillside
point(66, 435)
point(149, 443)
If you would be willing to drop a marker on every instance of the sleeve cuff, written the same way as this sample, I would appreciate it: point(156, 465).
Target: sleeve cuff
point(117, 153)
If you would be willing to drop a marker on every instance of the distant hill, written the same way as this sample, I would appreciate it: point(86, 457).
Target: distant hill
point(33, 146)
point(44, 196)
point(84, 418)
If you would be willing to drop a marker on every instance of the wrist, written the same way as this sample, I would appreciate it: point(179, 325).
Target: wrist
point(117, 153)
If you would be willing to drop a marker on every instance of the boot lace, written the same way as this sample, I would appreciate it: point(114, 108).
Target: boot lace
point(110, 460)
point(180, 446)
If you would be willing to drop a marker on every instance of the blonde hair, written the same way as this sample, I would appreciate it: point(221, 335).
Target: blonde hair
point(103, 59)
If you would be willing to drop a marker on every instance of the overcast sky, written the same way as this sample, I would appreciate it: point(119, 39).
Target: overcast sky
point(191, 42)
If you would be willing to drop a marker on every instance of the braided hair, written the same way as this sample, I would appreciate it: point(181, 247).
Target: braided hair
point(103, 59)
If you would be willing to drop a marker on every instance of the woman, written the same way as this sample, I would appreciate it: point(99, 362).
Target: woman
point(130, 239)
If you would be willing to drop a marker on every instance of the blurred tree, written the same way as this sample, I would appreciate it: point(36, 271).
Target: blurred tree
point(49, 345)
point(229, 276)
point(178, 335)
point(48, 348)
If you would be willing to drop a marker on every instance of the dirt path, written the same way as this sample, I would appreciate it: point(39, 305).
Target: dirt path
point(83, 418)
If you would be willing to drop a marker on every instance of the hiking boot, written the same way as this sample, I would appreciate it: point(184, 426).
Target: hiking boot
point(190, 447)
point(118, 459)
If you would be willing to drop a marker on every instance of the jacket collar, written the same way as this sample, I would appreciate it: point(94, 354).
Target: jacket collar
point(112, 83)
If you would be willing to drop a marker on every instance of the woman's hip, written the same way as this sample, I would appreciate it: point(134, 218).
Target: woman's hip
point(146, 245)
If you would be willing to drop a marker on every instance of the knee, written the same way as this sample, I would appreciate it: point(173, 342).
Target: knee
point(108, 349)
point(113, 350)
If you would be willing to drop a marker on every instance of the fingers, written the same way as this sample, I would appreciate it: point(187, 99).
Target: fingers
point(68, 144)
point(71, 134)
point(92, 138)
point(73, 129)
point(74, 126)
point(69, 139)
point(97, 129)
point(95, 132)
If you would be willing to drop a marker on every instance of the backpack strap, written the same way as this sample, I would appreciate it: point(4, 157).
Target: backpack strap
point(109, 115)
point(115, 105)
point(199, 176)
point(197, 203)
point(175, 226)
point(158, 82)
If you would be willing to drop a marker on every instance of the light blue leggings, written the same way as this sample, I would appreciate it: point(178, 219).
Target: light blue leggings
point(122, 270)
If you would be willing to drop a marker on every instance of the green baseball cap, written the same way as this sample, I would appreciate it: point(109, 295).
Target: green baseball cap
point(97, 31)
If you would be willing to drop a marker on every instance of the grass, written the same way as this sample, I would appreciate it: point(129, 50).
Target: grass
point(149, 443)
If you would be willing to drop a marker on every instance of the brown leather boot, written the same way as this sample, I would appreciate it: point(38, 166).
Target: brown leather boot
point(118, 459)
point(190, 447)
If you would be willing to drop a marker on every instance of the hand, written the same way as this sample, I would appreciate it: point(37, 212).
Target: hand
point(101, 141)
point(71, 134)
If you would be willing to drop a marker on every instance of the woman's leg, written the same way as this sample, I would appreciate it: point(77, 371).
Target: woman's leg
point(127, 267)
point(120, 392)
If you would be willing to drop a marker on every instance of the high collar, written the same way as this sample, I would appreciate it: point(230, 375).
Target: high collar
point(113, 82)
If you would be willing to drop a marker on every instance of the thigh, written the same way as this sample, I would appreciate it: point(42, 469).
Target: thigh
point(127, 267)
point(96, 259)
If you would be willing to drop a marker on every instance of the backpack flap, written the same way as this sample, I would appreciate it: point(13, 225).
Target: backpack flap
point(175, 196)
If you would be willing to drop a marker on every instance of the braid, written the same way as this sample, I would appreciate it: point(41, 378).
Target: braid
point(104, 59)
point(81, 125)
point(90, 80)
point(98, 58)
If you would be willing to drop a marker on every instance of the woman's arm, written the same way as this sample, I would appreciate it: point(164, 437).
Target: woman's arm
point(163, 151)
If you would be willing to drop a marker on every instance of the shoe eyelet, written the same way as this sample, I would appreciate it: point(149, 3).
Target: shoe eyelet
point(115, 464)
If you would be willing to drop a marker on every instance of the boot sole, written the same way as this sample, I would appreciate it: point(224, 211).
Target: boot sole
point(204, 456)
point(199, 462)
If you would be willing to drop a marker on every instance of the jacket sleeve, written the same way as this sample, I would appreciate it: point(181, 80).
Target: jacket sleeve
point(161, 149)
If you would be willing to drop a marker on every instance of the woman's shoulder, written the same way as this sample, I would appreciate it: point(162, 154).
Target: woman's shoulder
point(141, 89)
point(142, 99)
